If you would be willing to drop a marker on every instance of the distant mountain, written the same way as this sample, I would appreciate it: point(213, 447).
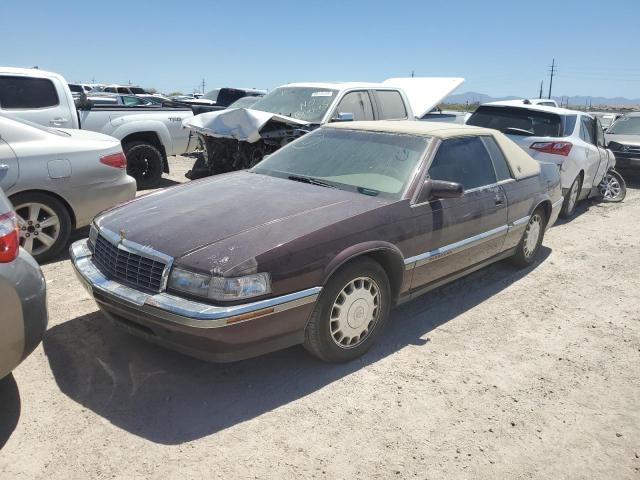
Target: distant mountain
point(473, 97)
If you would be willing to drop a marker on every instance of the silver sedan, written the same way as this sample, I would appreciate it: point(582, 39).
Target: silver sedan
point(22, 295)
point(58, 180)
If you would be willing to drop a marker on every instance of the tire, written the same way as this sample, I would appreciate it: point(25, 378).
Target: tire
point(612, 188)
point(144, 163)
point(41, 216)
point(528, 248)
point(571, 198)
point(363, 277)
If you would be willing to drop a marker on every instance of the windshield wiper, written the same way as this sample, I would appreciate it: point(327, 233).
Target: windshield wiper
point(310, 180)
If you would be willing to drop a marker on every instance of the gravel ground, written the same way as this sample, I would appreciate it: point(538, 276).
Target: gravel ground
point(502, 374)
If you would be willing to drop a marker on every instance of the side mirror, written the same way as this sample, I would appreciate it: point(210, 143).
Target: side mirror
point(440, 189)
point(343, 117)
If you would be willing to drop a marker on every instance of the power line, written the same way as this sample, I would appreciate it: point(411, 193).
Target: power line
point(552, 72)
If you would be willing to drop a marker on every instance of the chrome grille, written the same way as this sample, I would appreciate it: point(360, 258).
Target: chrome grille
point(128, 267)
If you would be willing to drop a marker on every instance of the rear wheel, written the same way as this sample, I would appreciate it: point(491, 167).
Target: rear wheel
point(529, 246)
point(571, 198)
point(44, 223)
point(351, 312)
point(144, 163)
point(612, 188)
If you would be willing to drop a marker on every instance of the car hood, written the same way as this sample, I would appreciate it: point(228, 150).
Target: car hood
point(221, 224)
point(623, 139)
point(242, 124)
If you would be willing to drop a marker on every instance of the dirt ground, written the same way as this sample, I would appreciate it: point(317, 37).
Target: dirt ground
point(502, 374)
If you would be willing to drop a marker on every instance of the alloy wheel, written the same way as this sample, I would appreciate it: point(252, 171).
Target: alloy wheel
point(610, 187)
point(39, 227)
point(573, 195)
point(355, 312)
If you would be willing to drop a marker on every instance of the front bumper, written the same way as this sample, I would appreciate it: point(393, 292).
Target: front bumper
point(555, 211)
point(212, 333)
point(627, 160)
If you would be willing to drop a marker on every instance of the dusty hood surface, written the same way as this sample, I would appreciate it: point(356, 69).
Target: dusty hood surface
point(425, 93)
point(218, 223)
point(623, 139)
point(242, 124)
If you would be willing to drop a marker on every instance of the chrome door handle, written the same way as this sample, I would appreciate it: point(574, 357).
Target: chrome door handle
point(58, 121)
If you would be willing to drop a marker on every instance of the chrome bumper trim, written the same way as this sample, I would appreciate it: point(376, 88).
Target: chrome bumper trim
point(177, 309)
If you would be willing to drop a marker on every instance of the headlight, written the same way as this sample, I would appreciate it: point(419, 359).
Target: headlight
point(220, 288)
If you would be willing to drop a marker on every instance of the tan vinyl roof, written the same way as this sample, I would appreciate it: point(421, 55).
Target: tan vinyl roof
point(520, 163)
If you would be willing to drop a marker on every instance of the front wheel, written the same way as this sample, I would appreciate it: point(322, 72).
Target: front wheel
point(351, 312)
point(612, 188)
point(529, 246)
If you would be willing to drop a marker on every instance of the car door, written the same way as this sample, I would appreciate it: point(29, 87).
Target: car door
point(592, 153)
point(8, 166)
point(458, 233)
point(605, 154)
point(34, 99)
point(356, 102)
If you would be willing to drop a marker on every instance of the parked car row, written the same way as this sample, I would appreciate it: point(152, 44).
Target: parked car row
point(386, 207)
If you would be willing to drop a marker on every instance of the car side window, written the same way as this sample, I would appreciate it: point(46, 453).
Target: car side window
point(391, 105)
point(499, 162)
point(357, 103)
point(587, 132)
point(463, 160)
point(110, 90)
point(122, 90)
point(18, 92)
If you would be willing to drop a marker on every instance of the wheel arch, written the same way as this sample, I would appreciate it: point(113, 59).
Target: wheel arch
point(72, 213)
point(386, 254)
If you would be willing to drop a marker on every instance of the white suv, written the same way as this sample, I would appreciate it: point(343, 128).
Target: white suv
point(571, 139)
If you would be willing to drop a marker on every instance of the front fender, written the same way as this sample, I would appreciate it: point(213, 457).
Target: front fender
point(385, 253)
point(125, 128)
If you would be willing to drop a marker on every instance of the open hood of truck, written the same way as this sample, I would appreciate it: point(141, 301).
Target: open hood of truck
point(425, 93)
point(242, 124)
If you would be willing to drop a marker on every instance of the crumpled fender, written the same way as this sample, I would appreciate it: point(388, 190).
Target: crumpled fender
point(242, 124)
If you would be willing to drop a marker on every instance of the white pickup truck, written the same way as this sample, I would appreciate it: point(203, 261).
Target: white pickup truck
point(148, 135)
point(238, 138)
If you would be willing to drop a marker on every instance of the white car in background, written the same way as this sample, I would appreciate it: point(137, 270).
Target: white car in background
point(58, 180)
point(571, 139)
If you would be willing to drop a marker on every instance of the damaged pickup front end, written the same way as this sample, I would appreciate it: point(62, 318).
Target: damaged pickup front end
point(239, 138)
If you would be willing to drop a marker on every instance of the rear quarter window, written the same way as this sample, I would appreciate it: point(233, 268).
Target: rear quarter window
point(391, 105)
point(26, 93)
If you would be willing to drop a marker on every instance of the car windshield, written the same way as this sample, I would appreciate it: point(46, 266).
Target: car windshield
point(523, 121)
point(626, 126)
point(244, 102)
point(212, 95)
point(606, 120)
point(370, 163)
point(301, 103)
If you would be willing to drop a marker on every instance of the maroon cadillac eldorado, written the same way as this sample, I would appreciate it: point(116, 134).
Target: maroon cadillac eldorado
point(317, 242)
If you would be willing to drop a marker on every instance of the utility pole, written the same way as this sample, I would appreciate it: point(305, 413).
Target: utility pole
point(412, 73)
point(203, 84)
point(552, 72)
point(541, 84)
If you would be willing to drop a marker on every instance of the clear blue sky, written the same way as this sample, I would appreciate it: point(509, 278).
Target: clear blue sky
point(500, 47)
